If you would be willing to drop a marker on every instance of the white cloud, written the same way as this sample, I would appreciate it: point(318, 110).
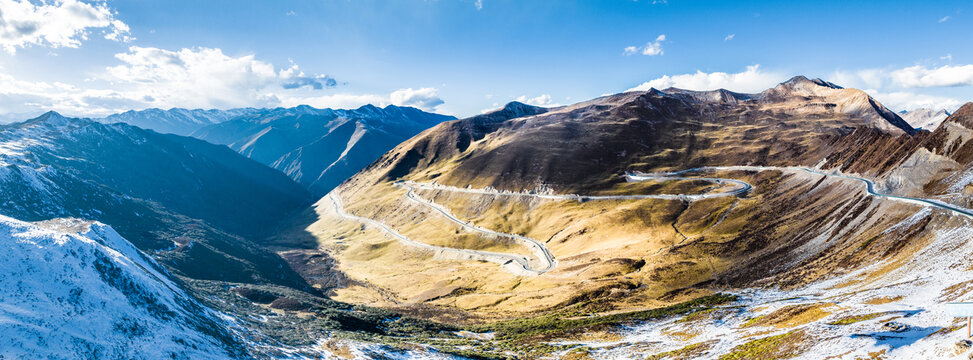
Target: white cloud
point(921, 76)
point(337, 101)
point(60, 23)
point(478, 4)
point(294, 78)
point(197, 77)
point(192, 78)
point(541, 100)
point(651, 48)
point(19, 96)
point(492, 108)
point(729, 37)
point(751, 80)
point(944, 19)
point(917, 76)
point(425, 98)
point(904, 100)
point(866, 78)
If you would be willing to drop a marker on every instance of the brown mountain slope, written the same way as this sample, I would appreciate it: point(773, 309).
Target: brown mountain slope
point(617, 254)
point(587, 145)
point(926, 164)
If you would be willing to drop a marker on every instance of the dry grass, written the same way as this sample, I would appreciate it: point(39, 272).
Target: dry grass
point(612, 255)
point(883, 300)
point(791, 316)
point(783, 346)
point(693, 351)
point(848, 320)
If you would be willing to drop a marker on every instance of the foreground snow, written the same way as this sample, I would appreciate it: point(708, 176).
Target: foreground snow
point(76, 289)
point(913, 293)
point(93, 294)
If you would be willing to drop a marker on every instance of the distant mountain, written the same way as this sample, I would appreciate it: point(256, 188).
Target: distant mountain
point(926, 119)
point(76, 290)
point(320, 148)
point(191, 203)
point(177, 121)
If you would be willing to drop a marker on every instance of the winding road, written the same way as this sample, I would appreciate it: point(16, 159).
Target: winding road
point(869, 185)
point(535, 246)
point(522, 265)
point(514, 263)
point(517, 263)
point(870, 188)
point(741, 188)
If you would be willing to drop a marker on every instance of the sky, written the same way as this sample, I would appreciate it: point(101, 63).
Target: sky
point(464, 57)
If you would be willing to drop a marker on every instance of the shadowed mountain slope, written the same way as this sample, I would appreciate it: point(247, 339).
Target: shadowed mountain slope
point(320, 148)
point(193, 203)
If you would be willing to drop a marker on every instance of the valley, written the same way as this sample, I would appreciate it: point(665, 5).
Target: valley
point(666, 223)
point(641, 232)
point(486, 180)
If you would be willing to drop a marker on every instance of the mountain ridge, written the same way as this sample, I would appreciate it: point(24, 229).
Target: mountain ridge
point(320, 149)
point(100, 297)
point(178, 198)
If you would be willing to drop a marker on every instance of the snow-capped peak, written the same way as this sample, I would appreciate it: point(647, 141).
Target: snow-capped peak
point(924, 118)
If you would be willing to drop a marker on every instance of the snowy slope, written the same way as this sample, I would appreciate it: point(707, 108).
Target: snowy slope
point(74, 289)
point(843, 317)
point(927, 119)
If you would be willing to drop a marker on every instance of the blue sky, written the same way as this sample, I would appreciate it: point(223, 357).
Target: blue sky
point(465, 56)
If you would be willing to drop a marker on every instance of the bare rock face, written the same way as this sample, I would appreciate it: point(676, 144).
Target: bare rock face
point(963, 345)
point(894, 326)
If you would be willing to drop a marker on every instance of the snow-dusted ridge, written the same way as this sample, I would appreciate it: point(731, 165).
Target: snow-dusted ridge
point(75, 289)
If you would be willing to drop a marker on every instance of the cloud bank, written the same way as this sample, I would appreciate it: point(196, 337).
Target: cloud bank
point(193, 78)
point(898, 89)
point(753, 79)
point(62, 23)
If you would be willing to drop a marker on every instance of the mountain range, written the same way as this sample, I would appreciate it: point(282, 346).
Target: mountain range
point(924, 118)
point(749, 192)
point(176, 197)
point(318, 148)
point(804, 220)
point(177, 121)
